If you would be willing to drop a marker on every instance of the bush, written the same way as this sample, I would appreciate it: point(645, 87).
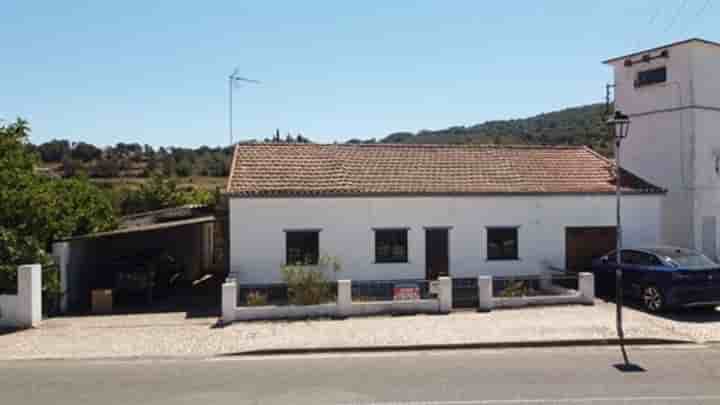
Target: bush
point(515, 288)
point(256, 299)
point(14, 251)
point(310, 285)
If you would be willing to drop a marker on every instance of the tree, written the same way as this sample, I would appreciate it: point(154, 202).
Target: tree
point(54, 151)
point(85, 152)
point(36, 210)
point(184, 168)
point(107, 168)
point(169, 166)
point(158, 193)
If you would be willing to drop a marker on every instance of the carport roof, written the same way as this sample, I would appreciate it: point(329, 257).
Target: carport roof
point(145, 228)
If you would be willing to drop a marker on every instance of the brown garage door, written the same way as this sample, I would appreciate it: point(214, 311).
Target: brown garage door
point(583, 244)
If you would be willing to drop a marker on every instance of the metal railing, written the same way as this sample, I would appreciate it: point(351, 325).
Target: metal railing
point(465, 292)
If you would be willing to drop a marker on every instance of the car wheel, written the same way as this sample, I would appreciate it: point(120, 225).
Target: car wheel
point(652, 299)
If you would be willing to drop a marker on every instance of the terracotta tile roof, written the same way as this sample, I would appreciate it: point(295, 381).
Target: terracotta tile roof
point(267, 169)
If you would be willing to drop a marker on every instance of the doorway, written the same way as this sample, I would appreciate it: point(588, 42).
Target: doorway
point(436, 253)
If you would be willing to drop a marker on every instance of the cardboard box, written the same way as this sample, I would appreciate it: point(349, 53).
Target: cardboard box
point(102, 301)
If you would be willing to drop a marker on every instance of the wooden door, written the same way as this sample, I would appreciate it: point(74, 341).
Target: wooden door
point(436, 253)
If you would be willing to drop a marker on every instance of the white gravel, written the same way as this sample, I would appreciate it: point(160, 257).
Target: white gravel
point(174, 335)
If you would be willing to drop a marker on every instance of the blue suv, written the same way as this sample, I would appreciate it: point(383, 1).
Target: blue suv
point(662, 277)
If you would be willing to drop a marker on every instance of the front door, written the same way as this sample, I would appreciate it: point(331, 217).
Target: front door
point(436, 253)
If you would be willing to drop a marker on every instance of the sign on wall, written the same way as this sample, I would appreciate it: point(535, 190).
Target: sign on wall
point(404, 292)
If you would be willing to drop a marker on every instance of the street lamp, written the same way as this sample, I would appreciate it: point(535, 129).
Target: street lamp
point(619, 125)
point(234, 79)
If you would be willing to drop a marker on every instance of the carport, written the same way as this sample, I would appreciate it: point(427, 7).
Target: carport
point(160, 262)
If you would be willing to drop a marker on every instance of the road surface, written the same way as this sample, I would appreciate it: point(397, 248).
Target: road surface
point(674, 375)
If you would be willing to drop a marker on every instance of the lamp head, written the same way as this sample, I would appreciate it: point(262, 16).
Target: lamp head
point(620, 123)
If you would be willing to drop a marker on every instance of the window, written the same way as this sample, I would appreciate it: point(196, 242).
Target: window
point(502, 244)
point(302, 247)
point(645, 259)
point(633, 257)
point(653, 76)
point(391, 246)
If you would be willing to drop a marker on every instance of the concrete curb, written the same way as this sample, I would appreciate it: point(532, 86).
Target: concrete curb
point(462, 346)
point(377, 349)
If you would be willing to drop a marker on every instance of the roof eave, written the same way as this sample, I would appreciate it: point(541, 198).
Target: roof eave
point(657, 48)
point(443, 194)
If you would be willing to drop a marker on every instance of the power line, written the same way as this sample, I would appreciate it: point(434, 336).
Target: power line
point(697, 15)
point(656, 15)
point(703, 8)
point(653, 17)
point(674, 19)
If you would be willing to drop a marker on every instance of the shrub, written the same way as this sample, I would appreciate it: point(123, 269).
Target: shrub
point(256, 299)
point(310, 285)
point(515, 288)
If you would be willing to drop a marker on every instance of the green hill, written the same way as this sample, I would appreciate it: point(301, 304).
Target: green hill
point(572, 126)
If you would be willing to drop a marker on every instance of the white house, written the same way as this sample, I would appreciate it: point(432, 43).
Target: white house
point(672, 95)
point(391, 212)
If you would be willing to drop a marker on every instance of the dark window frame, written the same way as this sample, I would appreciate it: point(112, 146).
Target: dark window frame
point(392, 238)
point(651, 76)
point(502, 253)
point(309, 255)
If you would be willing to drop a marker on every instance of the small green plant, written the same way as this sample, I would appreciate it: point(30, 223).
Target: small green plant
point(256, 299)
point(311, 284)
point(515, 288)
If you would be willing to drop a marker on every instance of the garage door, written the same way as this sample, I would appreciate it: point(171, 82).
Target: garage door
point(583, 244)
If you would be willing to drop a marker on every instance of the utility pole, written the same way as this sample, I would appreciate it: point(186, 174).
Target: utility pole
point(234, 79)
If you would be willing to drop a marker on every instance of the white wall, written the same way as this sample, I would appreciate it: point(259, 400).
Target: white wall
point(676, 149)
point(257, 237)
point(23, 310)
point(675, 92)
point(705, 67)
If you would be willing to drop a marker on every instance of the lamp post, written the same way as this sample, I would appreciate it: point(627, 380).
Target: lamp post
point(619, 125)
point(232, 80)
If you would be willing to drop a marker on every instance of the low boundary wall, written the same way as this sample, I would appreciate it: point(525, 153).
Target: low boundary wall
point(585, 294)
point(24, 309)
point(341, 308)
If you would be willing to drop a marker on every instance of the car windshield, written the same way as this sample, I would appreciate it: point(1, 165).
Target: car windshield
point(686, 257)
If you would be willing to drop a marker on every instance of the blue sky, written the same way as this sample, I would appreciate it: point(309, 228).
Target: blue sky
point(156, 71)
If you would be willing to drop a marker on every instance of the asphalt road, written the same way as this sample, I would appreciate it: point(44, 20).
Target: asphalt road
point(673, 375)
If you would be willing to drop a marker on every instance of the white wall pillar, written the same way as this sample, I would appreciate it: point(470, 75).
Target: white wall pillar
point(485, 293)
point(445, 294)
point(29, 296)
point(344, 298)
point(586, 285)
point(545, 281)
point(61, 254)
point(229, 301)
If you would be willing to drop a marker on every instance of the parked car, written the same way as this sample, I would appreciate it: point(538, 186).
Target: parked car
point(662, 277)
